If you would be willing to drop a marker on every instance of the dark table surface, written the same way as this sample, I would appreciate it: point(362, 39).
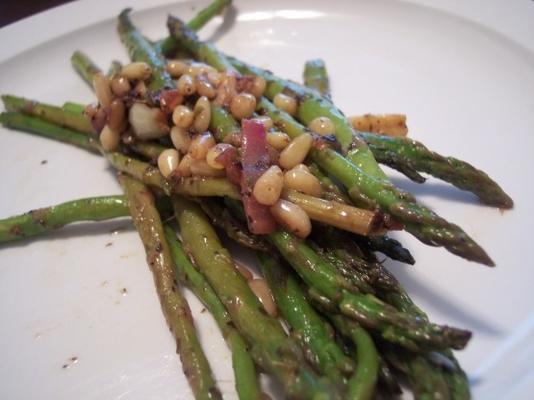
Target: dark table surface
point(13, 10)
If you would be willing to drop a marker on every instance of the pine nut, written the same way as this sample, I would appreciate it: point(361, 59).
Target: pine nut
point(109, 139)
point(292, 217)
point(140, 89)
point(168, 162)
point(286, 103)
point(214, 152)
point(183, 117)
point(226, 90)
point(117, 116)
point(204, 88)
point(296, 151)
point(194, 69)
point(302, 181)
point(176, 68)
point(102, 89)
point(201, 168)
point(202, 114)
point(186, 85)
point(302, 167)
point(137, 71)
point(258, 86)
point(263, 293)
point(269, 186)
point(184, 167)
point(243, 105)
point(244, 271)
point(266, 121)
point(279, 140)
point(120, 86)
point(200, 145)
point(214, 78)
point(181, 139)
point(322, 126)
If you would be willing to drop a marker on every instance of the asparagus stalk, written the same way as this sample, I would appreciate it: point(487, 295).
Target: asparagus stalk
point(418, 220)
point(331, 190)
point(306, 325)
point(56, 115)
point(175, 308)
point(73, 107)
point(222, 218)
point(84, 67)
point(389, 247)
point(316, 77)
point(49, 218)
point(168, 45)
point(41, 127)
point(272, 350)
point(398, 152)
point(247, 386)
point(394, 326)
point(114, 69)
point(140, 49)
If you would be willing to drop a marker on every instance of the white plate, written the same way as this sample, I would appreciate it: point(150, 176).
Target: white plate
point(467, 91)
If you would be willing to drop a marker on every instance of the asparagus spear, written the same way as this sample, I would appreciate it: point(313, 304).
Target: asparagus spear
point(272, 350)
point(49, 218)
point(389, 247)
point(168, 45)
point(244, 370)
point(394, 326)
point(57, 115)
point(316, 77)
point(418, 220)
point(398, 152)
point(222, 218)
point(41, 127)
point(306, 325)
point(84, 67)
point(140, 49)
point(175, 308)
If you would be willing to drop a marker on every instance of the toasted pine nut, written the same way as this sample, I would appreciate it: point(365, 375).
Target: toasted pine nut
point(176, 68)
point(183, 116)
point(117, 116)
point(258, 86)
point(292, 217)
point(196, 68)
point(243, 105)
point(243, 271)
point(137, 70)
point(109, 139)
point(214, 78)
point(227, 89)
point(102, 89)
point(184, 167)
point(90, 110)
point(186, 85)
point(286, 103)
point(322, 126)
point(302, 181)
point(202, 114)
point(269, 186)
point(168, 162)
point(201, 168)
point(265, 120)
point(120, 86)
point(181, 139)
point(385, 124)
point(140, 89)
point(205, 88)
point(200, 145)
point(214, 152)
point(234, 138)
point(296, 151)
point(263, 293)
point(279, 140)
point(302, 167)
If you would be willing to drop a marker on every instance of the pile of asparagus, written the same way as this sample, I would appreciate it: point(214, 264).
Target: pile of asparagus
point(350, 330)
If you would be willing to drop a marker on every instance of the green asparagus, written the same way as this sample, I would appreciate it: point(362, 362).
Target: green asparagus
point(316, 77)
point(175, 308)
